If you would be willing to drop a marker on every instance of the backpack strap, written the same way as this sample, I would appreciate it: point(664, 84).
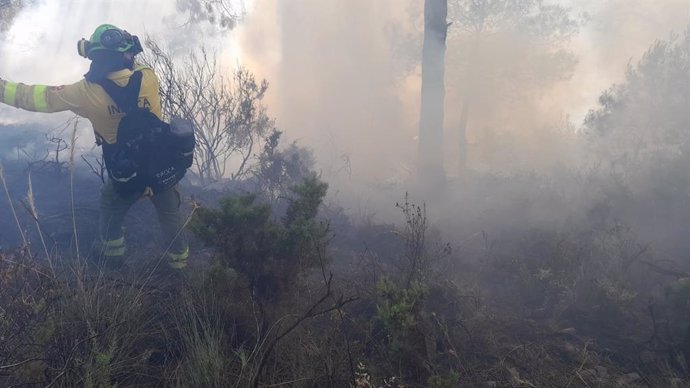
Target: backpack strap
point(127, 97)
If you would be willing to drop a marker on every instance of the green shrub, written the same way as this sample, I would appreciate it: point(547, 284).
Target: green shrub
point(270, 253)
point(451, 380)
point(398, 310)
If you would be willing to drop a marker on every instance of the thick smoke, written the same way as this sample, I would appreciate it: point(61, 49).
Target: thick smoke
point(338, 84)
point(345, 76)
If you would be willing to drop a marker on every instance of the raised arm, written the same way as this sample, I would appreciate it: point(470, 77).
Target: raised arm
point(42, 98)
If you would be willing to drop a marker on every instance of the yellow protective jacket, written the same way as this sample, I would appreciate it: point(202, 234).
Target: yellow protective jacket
point(84, 98)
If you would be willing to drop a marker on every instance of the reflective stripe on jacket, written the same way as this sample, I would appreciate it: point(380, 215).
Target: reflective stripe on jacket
point(84, 98)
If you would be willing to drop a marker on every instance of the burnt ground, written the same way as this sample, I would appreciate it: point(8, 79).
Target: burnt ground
point(523, 309)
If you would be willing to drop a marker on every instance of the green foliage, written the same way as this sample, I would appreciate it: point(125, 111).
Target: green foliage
point(398, 308)
point(451, 380)
point(305, 206)
point(269, 253)
point(644, 120)
point(278, 169)
point(400, 311)
point(413, 317)
point(98, 372)
point(205, 362)
point(220, 280)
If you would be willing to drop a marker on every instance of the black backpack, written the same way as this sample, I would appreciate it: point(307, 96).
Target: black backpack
point(148, 151)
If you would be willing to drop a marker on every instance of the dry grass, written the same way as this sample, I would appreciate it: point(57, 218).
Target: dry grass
point(76, 325)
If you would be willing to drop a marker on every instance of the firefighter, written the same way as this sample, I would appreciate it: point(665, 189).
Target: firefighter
point(112, 52)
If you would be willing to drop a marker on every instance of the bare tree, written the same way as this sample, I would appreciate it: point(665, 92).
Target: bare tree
point(49, 155)
point(96, 165)
point(224, 13)
point(227, 112)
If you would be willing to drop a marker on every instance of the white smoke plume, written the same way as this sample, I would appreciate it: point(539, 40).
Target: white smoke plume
point(344, 74)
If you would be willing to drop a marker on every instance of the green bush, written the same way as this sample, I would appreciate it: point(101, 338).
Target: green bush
point(270, 253)
point(398, 311)
point(448, 381)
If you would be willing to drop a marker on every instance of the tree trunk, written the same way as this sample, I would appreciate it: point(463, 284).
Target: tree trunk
point(430, 163)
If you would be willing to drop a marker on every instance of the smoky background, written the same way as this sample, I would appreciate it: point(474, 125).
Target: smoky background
point(344, 82)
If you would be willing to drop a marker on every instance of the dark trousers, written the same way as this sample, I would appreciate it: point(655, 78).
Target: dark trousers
point(114, 207)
